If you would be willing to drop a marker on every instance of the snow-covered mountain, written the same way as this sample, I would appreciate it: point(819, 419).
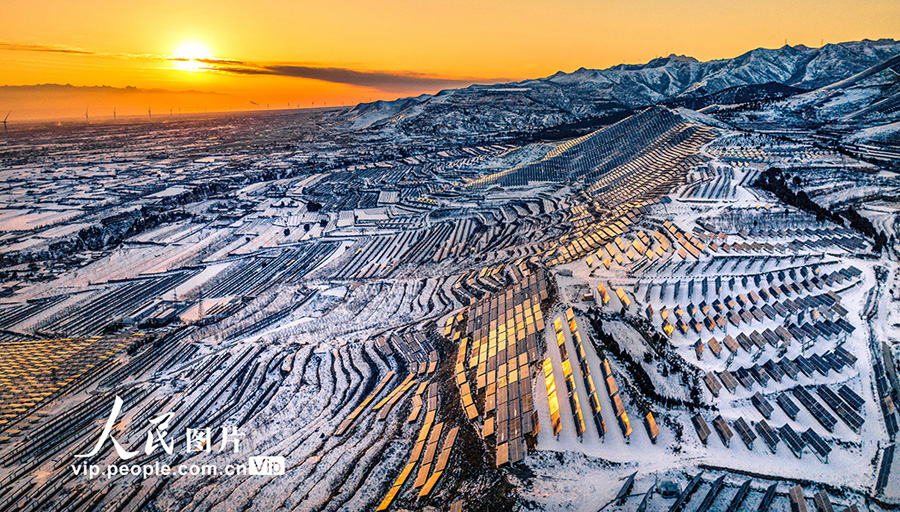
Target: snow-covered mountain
point(594, 93)
point(862, 108)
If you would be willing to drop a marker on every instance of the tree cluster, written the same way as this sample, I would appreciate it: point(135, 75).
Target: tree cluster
point(774, 181)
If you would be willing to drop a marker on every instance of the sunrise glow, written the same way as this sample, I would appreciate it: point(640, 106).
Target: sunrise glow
point(190, 57)
point(308, 54)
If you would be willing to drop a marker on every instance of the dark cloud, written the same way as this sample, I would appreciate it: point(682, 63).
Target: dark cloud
point(381, 80)
point(211, 61)
point(20, 47)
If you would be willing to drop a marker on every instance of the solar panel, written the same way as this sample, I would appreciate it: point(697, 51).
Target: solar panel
point(845, 325)
point(804, 365)
point(712, 383)
point(798, 502)
point(686, 494)
point(790, 438)
point(599, 423)
point(818, 329)
point(811, 332)
point(739, 497)
point(744, 431)
point(759, 375)
point(711, 495)
point(788, 405)
point(834, 361)
point(762, 405)
point(767, 498)
point(789, 368)
point(579, 422)
point(743, 377)
point(626, 487)
point(831, 327)
point(890, 422)
point(768, 435)
point(854, 400)
point(847, 356)
point(701, 427)
point(884, 471)
point(757, 339)
point(819, 364)
point(728, 380)
point(723, 429)
point(744, 341)
point(774, 370)
point(816, 443)
point(822, 502)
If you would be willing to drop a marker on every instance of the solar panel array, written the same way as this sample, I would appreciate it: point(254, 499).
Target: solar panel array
point(616, 399)
point(626, 189)
point(32, 372)
point(779, 370)
point(571, 386)
point(885, 393)
point(552, 396)
point(427, 443)
point(498, 344)
point(591, 389)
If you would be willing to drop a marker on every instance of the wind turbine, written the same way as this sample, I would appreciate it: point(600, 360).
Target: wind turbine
point(4, 120)
point(114, 113)
point(86, 119)
point(149, 114)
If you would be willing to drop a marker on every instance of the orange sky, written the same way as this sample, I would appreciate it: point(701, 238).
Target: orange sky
point(351, 51)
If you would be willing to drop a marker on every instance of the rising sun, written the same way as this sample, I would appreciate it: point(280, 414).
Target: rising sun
point(190, 56)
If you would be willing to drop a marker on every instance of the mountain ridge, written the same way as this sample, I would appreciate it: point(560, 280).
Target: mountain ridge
point(585, 93)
